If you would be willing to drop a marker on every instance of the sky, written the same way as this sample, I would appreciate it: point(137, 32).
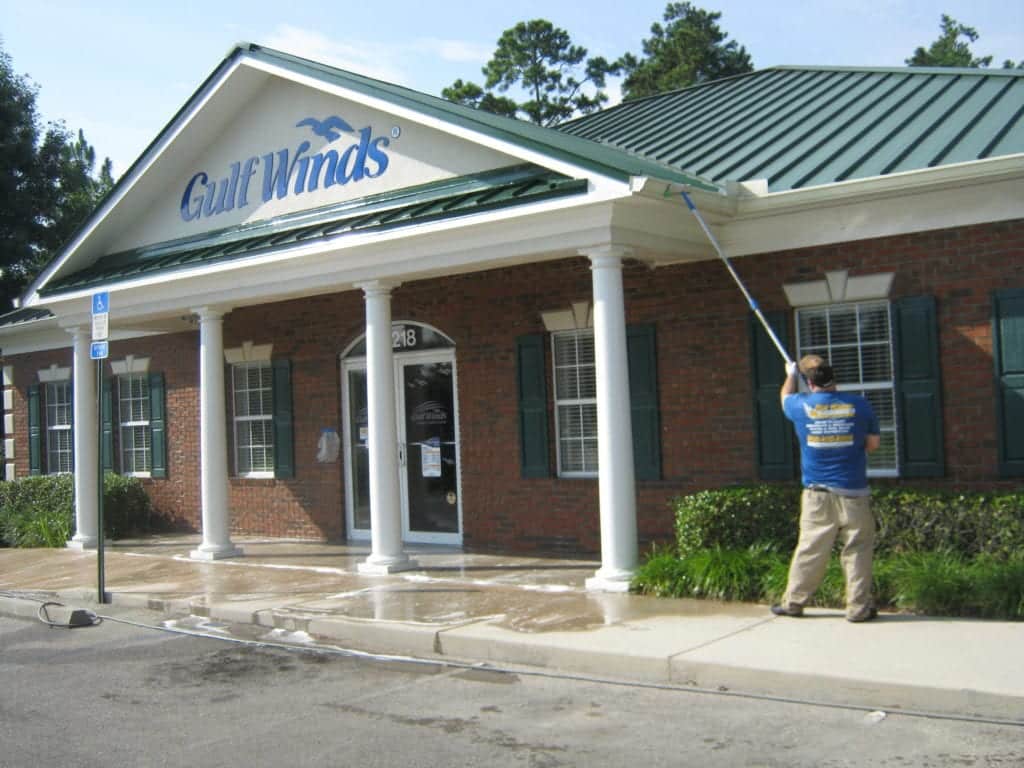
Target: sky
point(120, 70)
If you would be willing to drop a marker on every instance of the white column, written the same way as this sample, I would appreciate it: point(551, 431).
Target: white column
point(386, 555)
point(616, 482)
point(213, 446)
point(86, 446)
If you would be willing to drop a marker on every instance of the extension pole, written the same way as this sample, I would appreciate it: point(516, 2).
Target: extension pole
point(725, 259)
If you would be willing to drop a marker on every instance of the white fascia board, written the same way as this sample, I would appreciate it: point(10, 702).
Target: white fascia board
point(400, 254)
point(906, 183)
point(939, 198)
point(126, 185)
point(476, 137)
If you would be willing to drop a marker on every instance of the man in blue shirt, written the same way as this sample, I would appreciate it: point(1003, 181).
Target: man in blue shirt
point(836, 431)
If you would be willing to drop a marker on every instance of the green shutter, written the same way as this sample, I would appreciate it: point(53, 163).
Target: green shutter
point(641, 349)
point(1008, 356)
point(284, 441)
point(107, 425)
point(35, 440)
point(533, 406)
point(918, 388)
point(772, 431)
point(157, 425)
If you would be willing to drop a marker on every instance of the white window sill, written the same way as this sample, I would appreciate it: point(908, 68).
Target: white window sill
point(256, 476)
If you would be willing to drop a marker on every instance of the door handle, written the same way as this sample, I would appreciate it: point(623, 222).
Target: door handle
point(401, 454)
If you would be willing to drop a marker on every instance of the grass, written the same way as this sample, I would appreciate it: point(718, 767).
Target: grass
point(932, 583)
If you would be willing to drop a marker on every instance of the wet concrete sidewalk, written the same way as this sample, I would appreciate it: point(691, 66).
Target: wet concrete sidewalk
point(535, 612)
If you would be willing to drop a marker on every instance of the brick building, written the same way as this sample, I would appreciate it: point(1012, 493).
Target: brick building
point(342, 309)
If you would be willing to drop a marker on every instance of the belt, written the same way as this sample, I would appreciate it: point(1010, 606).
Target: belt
point(818, 487)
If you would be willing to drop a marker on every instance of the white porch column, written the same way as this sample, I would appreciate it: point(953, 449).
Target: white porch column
point(616, 481)
point(213, 447)
point(86, 444)
point(386, 555)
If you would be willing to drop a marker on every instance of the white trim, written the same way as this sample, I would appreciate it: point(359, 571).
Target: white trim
point(130, 364)
point(839, 287)
point(8, 400)
point(54, 374)
point(8, 373)
point(248, 353)
point(8, 448)
point(8, 420)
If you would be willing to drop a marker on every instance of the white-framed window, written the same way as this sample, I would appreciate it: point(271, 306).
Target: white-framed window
point(133, 424)
point(856, 339)
point(575, 402)
point(59, 448)
point(253, 398)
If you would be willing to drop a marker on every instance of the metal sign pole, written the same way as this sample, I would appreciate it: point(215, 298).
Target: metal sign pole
point(98, 351)
point(101, 591)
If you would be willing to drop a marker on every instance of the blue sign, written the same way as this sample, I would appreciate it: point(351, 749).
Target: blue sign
point(364, 158)
point(99, 350)
point(100, 303)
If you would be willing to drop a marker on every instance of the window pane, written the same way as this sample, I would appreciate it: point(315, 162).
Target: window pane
point(569, 422)
point(874, 322)
point(575, 400)
point(843, 326)
point(846, 364)
point(813, 325)
point(877, 362)
point(571, 455)
point(885, 457)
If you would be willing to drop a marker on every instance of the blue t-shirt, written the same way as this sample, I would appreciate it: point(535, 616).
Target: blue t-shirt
point(832, 427)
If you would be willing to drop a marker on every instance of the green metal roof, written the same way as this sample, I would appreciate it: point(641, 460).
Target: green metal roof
point(460, 196)
point(806, 126)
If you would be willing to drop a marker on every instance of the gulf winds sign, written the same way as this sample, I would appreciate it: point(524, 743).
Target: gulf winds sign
point(288, 171)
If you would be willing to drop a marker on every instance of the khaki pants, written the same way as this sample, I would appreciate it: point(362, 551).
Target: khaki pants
point(823, 515)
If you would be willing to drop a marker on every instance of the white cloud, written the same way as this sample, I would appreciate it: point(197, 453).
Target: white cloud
point(459, 51)
point(369, 59)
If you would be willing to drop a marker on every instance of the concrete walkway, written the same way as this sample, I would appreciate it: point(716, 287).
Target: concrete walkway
point(534, 612)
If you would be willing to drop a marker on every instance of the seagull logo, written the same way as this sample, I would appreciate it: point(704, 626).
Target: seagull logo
point(328, 127)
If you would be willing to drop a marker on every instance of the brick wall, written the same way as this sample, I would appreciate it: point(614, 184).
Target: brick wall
point(703, 369)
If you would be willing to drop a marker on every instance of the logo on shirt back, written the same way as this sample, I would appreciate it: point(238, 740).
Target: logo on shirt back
point(830, 425)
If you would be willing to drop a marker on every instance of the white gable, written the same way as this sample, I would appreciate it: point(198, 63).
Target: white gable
point(292, 148)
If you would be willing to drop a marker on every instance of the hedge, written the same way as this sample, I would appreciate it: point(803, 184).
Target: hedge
point(39, 511)
point(909, 520)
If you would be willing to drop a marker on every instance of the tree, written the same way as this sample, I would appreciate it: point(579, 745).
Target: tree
point(690, 48)
point(950, 51)
point(540, 60)
point(46, 183)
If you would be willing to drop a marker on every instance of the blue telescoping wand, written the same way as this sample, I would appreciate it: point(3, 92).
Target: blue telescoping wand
point(728, 265)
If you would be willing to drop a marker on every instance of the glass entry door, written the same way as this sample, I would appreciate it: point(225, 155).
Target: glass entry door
point(427, 445)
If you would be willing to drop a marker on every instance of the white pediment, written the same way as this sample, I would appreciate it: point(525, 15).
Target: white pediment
point(292, 148)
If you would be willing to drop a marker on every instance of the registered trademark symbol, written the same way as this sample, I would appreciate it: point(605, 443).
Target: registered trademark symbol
point(395, 132)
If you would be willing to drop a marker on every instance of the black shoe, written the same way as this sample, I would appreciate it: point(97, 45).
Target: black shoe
point(794, 611)
point(859, 618)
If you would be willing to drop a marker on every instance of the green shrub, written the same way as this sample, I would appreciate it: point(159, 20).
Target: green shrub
point(935, 583)
point(717, 574)
point(126, 507)
point(970, 524)
point(909, 520)
point(998, 587)
point(38, 511)
point(738, 518)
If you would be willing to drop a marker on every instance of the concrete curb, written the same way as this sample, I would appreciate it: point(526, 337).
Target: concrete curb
point(636, 653)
